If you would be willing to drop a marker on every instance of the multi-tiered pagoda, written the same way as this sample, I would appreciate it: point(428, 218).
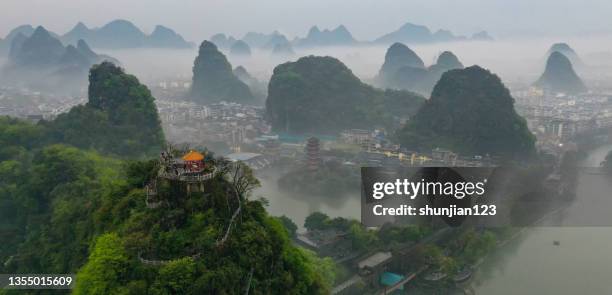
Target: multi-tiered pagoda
point(312, 151)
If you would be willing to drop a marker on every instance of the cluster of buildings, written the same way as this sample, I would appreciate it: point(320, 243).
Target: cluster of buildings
point(180, 85)
point(557, 119)
point(377, 151)
point(31, 105)
point(230, 128)
point(227, 125)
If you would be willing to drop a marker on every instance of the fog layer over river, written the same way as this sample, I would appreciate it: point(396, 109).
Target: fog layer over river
point(581, 264)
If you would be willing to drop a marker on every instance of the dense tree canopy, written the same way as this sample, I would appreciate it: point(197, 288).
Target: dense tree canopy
point(120, 118)
point(65, 210)
point(106, 267)
point(470, 112)
point(321, 95)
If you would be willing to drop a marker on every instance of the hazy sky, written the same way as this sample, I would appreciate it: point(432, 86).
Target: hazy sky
point(198, 19)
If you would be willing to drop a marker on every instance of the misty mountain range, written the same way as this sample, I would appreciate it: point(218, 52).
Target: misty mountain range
point(340, 36)
point(404, 69)
point(124, 34)
point(40, 60)
point(118, 34)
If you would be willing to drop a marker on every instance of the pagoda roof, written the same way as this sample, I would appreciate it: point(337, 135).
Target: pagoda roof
point(193, 156)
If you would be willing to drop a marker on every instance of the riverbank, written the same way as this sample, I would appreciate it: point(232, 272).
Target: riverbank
point(529, 262)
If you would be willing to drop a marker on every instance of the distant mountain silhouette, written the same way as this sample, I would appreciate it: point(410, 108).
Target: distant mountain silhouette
point(42, 61)
point(567, 51)
point(213, 79)
point(163, 37)
point(222, 41)
point(341, 36)
point(258, 88)
point(482, 36)
point(408, 33)
point(240, 48)
point(275, 42)
point(85, 50)
point(338, 36)
point(40, 49)
point(241, 73)
point(124, 34)
point(276, 39)
point(446, 36)
point(79, 32)
point(403, 69)
point(412, 34)
point(266, 41)
point(15, 45)
point(116, 34)
point(256, 39)
point(448, 61)
point(74, 58)
point(21, 31)
point(119, 34)
point(26, 30)
point(399, 56)
point(283, 49)
point(559, 76)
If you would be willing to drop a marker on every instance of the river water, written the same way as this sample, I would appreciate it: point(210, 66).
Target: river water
point(581, 264)
point(530, 264)
point(298, 206)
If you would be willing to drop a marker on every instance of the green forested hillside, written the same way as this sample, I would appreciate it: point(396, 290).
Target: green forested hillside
point(120, 118)
point(321, 95)
point(470, 112)
point(65, 210)
point(213, 79)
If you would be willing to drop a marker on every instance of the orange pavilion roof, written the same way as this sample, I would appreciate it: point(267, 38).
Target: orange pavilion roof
point(193, 156)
